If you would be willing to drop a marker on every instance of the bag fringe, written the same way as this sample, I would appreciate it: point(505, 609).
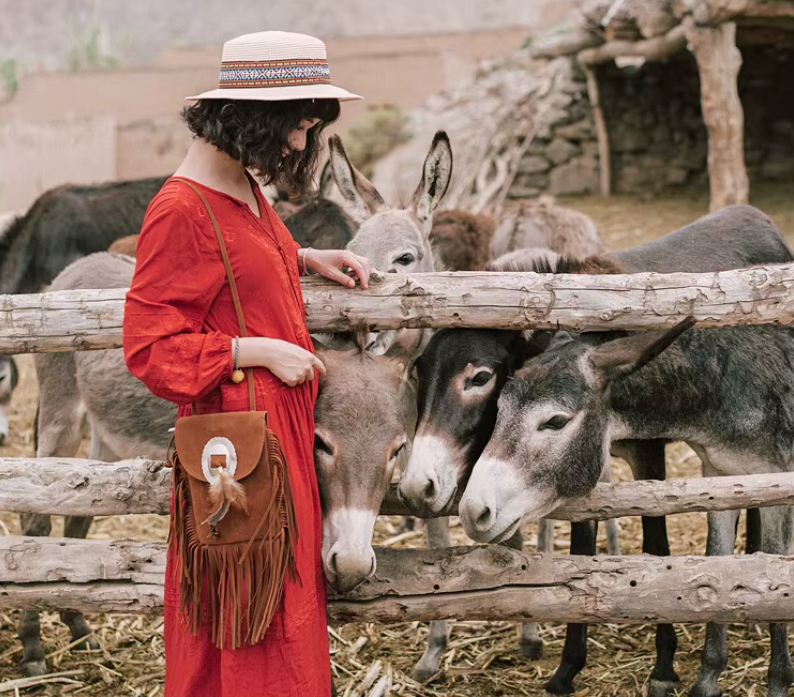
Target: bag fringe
point(234, 590)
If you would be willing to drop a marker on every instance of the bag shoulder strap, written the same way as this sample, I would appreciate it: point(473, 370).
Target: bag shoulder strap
point(238, 308)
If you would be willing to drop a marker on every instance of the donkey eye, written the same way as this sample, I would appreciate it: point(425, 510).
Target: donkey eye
point(405, 260)
point(321, 446)
point(398, 451)
point(555, 423)
point(479, 380)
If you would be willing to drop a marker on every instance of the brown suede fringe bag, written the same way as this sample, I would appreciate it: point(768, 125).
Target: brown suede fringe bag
point(233, 525)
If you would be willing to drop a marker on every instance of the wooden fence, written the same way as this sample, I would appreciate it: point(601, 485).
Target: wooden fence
point(474, 582)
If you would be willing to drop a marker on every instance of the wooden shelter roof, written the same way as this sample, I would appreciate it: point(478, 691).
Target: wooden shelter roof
point(655, 29)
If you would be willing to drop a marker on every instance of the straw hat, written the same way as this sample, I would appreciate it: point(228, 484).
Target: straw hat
point(275, 66)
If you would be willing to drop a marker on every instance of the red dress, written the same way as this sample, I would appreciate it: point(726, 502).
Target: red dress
point(178, 324)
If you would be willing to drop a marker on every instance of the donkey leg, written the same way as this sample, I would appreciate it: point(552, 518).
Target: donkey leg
point(721, 541)
point(29, 630)
point(664, 679)
point(438, 636)
point(530, 644)
point(77, 526)
point(776, 530)
point(611, 525)
point(57, 433)
point(753, 531)
point(574, 652)
point(647, 461)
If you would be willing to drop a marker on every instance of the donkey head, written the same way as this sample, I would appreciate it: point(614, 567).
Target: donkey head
point(460, 375)
point(551, 439)
point(394, 240)
point(365, 418)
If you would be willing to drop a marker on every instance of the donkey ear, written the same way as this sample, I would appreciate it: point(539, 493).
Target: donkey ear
point(406, 348)
point(621, 357)
point(326, 180)
point(358, 191)
point(436, 174)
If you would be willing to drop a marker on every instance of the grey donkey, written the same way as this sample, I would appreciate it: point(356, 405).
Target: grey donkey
point(364, 425)
point(398, 240)
point(717, 389)
point(394, 240)
point(461, 374)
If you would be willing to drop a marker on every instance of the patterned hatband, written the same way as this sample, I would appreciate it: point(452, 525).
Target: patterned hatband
point(274, 73)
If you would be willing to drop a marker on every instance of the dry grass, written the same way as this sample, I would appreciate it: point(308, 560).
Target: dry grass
point(482, 657)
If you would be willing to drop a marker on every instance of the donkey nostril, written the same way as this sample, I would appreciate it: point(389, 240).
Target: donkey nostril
point(332, 563)
point(430, 489)
point(484, 519)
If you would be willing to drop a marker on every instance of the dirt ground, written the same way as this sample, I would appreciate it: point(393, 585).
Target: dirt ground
point(482, 658)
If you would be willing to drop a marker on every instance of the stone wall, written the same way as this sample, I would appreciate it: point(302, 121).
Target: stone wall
point(766, 88)
point(658, 141)
point(563, 158)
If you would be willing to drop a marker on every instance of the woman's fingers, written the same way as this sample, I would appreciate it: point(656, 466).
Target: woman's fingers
point(337, 275)
point(318, 365)
point(361, 268)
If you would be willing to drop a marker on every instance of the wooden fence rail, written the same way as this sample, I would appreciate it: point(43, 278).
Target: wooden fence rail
point(73, 486)
point(478, 583)
point(92, 319)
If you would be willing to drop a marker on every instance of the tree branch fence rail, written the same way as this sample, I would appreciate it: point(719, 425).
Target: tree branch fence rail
point(489, 582)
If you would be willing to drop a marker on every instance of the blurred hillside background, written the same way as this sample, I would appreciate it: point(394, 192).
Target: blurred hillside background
point(91, 90)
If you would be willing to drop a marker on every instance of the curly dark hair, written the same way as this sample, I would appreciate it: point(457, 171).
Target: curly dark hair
point(255, 133)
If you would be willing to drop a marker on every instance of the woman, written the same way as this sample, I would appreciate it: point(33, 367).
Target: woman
point(180, 329)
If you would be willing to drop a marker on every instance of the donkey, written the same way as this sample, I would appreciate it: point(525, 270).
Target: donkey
point(461, 374)
point(67, 223)
point(398, 241)
point(365, 420)
point(9, 377)
point(361, 394)
point(544, 224)
point(717, 389)
point(394, 240)
point(286, 206)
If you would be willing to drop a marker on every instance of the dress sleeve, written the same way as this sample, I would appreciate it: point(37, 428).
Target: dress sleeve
point(178, 275)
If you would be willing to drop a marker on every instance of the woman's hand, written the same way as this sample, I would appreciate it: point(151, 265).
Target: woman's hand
point(332, 263)
point(290, 363)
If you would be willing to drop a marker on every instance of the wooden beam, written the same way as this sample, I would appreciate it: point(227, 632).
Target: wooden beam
point(654, 498)
point(651, 49)
point(716, 11)
point(479, 583)
point(719, 62)
point(602, 134)
point(81, 319)
point(72, 486)
point(564, 44)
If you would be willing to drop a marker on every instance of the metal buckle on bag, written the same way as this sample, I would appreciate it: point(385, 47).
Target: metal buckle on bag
point(223, 447)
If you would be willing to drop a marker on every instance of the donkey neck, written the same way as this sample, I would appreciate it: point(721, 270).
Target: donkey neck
point(713, 387)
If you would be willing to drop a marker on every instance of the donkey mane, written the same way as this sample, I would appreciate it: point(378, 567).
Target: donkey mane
point(593, 265)
point(541, 263)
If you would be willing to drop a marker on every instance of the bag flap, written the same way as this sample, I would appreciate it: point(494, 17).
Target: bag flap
point(245, 430)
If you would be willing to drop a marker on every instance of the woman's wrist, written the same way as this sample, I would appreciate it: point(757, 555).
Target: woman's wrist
point(253, 352)
point(303, 257)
